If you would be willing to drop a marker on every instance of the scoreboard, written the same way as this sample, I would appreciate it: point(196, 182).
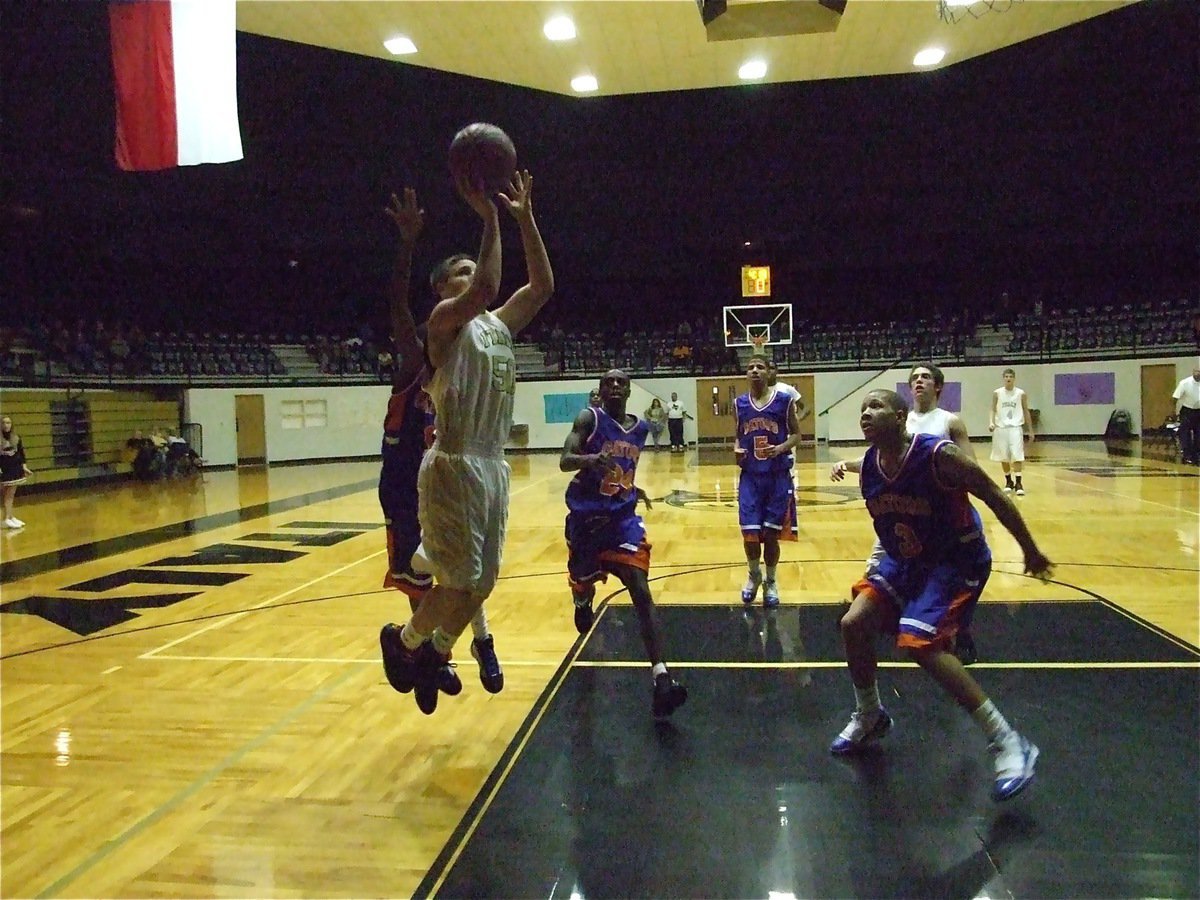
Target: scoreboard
point(756, 281)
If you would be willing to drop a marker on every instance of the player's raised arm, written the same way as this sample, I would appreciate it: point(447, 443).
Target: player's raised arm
point(452, 313)
point(410, 352)
point(525, 303)
point(956, 470)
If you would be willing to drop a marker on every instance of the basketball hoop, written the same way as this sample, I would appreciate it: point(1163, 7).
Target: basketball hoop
point(758, 326)
point(954, 11)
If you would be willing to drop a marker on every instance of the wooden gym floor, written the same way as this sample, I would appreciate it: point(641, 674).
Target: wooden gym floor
point(193, 705)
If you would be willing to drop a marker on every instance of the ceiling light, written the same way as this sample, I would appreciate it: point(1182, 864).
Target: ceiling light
point(930, 56)
point(584, 83)
point(752, 70)
point(400, 46)
point(560, 28)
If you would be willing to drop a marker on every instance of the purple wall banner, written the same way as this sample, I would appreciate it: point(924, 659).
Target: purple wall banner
point(1085, 389)
point(951, 399)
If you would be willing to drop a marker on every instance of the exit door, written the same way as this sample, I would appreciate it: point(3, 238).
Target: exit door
point(250, 422)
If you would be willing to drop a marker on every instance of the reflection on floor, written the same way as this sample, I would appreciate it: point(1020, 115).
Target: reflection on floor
point(738, 796)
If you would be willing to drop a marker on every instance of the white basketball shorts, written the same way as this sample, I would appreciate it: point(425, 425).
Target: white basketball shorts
point(463, 508)
point(1008, 444)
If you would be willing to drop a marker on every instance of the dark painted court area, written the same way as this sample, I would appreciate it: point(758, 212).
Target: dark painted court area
point(738, 796)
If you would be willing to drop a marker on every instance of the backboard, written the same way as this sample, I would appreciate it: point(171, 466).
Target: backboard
point(759, 325)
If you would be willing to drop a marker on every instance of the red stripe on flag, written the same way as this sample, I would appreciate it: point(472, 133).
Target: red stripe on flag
point(144, 76)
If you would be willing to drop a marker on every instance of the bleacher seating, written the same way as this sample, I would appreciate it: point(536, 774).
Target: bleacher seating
point(561, 347)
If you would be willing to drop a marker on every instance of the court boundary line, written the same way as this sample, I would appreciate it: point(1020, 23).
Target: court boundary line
point(708, 664)
point(888, 664)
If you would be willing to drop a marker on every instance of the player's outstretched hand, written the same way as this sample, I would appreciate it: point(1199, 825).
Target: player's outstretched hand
point(837, 471)
point(1037, 565)
point(644, 497)
point(409, 217)
point(476, 197)
point(519, 198)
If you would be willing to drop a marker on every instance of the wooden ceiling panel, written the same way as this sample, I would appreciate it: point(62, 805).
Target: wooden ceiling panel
point(644, 46)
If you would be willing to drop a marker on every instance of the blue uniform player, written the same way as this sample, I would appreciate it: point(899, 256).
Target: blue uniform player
point(604, 532)
point(407, 434)
point(934, 566)
point(408, 431)
point(767, 430)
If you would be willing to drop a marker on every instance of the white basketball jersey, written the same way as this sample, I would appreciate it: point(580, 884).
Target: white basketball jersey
point(473, 389)
point(936, 422)
point(1009, 413)
point(787, 389)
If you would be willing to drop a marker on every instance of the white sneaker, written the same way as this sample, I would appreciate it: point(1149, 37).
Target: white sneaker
point(12, 523)
point(17, 523)
point(1015, 759)
point(864, 728)
point(770, 594)
point(1020, 491)
point(750, 591)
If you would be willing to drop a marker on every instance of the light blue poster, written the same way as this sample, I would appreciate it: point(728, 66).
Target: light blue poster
point(564, 407)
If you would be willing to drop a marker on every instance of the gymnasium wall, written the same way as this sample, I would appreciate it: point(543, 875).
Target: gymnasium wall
point(354, 415)
point(978, 382)
point(353, 422)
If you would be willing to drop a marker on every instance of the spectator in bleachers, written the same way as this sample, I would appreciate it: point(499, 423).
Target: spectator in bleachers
point(385, 365)
point(118, 351)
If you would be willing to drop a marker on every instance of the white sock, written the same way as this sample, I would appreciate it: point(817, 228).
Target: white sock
point(658, 669)
point(442, 642)
point(755, 570)
point(868, 698)
point(770, 573)
point(479, 624)
point(411, 638)
point(992, 723)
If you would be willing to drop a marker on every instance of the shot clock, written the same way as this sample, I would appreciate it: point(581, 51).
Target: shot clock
point(756, 281)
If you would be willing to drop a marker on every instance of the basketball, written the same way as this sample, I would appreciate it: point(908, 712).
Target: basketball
point(484, 155)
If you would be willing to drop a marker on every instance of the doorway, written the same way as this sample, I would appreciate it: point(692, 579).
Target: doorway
point(250, 422)
point(1158, 383)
